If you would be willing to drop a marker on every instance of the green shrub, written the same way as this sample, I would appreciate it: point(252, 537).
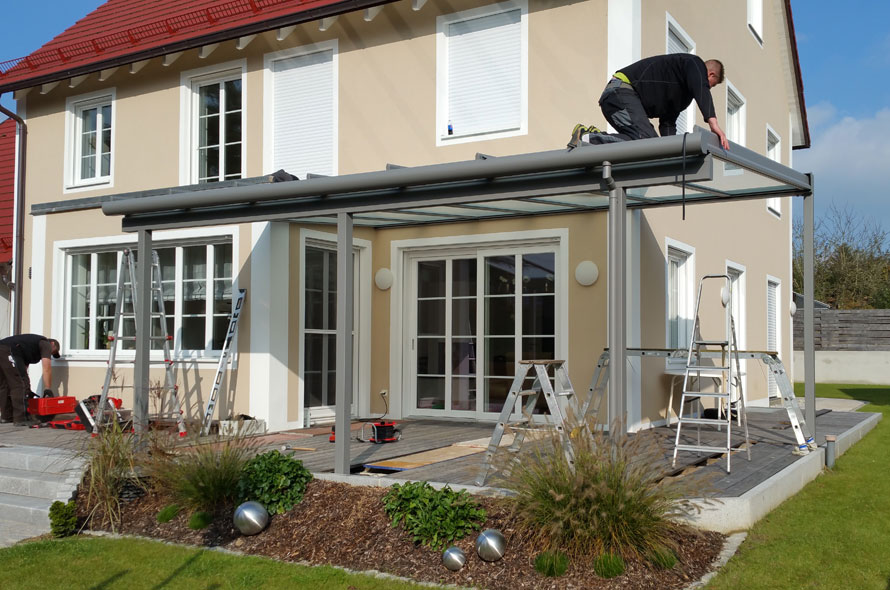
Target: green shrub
point(276, 481)
point(168, 513)
point(608, 565)
point(200, 520)
point(111, 457)
point(662, 558)
point(199, 477)
point(63, 519)
point(616, 499)
point(552, 563)
point(435, 518)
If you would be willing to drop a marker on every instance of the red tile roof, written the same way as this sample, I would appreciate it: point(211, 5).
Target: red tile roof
point(122, 31)
point(7, 187)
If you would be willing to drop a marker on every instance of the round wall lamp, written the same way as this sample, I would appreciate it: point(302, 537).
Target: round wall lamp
point(383, 279)
point(792, 308)
point(586, 273)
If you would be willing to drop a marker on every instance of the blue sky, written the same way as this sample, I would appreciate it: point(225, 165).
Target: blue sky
point(845, 59)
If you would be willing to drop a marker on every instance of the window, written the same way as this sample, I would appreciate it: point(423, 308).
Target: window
point(755, 19)
point(90, 140)
point(214, 107)
point(679, 42)
point(680, 271)
point(482, 73)
point(773, 152)
point(196, 281)
point(301, 122)
point(772, 327)
point(735, 119)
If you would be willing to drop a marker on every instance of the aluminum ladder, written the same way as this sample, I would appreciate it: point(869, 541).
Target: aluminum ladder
point(127, 304)
point(724, 372)
point(560, 398)
point(224, 357)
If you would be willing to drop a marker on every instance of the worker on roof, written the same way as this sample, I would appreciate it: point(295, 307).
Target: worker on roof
point(16, 353)
point(659, 87)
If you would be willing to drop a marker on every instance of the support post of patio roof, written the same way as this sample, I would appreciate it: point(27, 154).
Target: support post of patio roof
point(809, 348)
point(142, 309)
point(344, 342)
point(617, 276)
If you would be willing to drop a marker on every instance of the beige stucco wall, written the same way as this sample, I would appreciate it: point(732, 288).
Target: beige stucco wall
point(387, 113)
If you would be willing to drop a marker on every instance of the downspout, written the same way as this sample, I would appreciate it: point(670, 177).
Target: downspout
point(18, 240)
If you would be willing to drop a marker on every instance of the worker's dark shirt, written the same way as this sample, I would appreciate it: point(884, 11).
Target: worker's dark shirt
point(29, 347)
point(666, 84)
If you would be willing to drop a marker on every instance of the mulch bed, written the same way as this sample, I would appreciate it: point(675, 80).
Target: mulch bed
point(344, 525)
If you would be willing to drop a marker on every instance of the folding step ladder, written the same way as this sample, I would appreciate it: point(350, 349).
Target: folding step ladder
point(224, 357)
point(805, 441)
point(560, 398)
point(724, 372)
point(127, 306)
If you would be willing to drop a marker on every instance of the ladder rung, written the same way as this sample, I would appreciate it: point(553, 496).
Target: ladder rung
point(526, 392)
point(711, 342)
point(706, 368)
point(702, 449)
point(130, 338)
point(711, 394)
point(565, 393)
point(714, 421)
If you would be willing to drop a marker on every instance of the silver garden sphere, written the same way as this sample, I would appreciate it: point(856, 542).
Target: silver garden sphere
point(454, 558)
point(250, 518)
point(491, 545)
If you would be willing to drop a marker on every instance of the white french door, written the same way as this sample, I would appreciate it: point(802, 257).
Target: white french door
point(472, 315)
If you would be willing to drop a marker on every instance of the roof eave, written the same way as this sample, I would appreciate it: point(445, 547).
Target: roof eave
point(792, 40)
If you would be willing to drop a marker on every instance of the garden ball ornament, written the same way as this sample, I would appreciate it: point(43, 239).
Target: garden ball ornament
point(454, 558)
point(491, 544)
point(250, 518)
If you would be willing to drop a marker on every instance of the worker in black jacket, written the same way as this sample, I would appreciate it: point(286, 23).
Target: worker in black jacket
point(659, 87)
point(16, 353)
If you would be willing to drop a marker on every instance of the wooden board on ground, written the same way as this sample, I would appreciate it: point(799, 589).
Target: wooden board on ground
point(426, 458)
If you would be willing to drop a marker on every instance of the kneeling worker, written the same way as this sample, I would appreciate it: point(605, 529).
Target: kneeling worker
point(16, 353)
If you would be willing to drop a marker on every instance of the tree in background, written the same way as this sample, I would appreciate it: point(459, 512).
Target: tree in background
point(851, 260)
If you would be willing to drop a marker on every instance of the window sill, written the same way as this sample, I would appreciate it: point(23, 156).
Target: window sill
point(86, 186)
point(443, 140)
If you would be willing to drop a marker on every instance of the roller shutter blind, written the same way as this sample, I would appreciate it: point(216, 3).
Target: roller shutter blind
point(304, 118)
point(772, 291)
point(677, 45)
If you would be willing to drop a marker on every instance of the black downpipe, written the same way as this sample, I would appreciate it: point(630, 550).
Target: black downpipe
point(19, 239)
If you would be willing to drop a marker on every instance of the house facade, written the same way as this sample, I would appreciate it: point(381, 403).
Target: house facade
point(442, 310)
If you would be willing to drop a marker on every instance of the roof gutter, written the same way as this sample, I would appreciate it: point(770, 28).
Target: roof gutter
point(18, 240)
point(195, 42)
point(800, 96)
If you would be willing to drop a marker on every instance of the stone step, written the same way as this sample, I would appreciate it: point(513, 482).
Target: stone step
point(42, 459)
point(12, 533)
point(24, 509)
point(52, 486)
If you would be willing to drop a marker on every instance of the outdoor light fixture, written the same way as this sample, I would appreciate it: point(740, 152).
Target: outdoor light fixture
point(586, 273)
point(383, 279)
point(792, 308)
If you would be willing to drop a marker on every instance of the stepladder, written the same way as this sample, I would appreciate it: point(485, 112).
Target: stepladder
point(712, 376)
point(804, 440)
point(225, 356)
point(124, 334)
point(560, 402)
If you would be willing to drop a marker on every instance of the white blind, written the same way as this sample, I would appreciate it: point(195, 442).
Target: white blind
point(485, 74)
point(303, 119)
point(677, 45)
point(771, 327)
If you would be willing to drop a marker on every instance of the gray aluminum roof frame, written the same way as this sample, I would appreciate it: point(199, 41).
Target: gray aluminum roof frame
point(616, 176)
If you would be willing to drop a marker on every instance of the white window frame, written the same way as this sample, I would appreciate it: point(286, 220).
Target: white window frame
point(269, 98)
point(741, 136)
point(190, 81)
point(74, 106)
point(442, 82)
point(755, 20)
point(741, 322)
point(774, 204)
point(672, 26)
point(63, 249)
point(771, 280)
point(406, 252)
point(361, 325)
point(685, 298)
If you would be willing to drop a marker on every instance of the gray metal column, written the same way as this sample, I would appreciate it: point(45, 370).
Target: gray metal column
point(809, 347)
point(142, 309)
point(617, 297)
point(344, 342)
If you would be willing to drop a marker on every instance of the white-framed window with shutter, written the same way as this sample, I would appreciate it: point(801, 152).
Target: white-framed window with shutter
point(300, 120)
point(773, 326)
point(755, 19)
point(774, 152)
point(736, 117)
point(89, 140)
point(482, 73)
point(679, 297)
point(678, 41)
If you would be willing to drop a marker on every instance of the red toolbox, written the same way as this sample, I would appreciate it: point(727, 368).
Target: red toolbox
point(50, 406)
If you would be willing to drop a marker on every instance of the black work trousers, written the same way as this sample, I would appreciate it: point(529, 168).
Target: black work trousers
point(624, 111)
point(13, 388)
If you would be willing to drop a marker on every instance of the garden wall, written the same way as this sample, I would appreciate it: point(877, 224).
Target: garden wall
point(852, 346)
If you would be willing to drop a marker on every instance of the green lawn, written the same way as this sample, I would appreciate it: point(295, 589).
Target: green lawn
point(834, 534)
point(131, 564)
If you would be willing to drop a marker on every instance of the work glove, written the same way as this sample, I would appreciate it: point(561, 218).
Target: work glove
point(48, 393)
